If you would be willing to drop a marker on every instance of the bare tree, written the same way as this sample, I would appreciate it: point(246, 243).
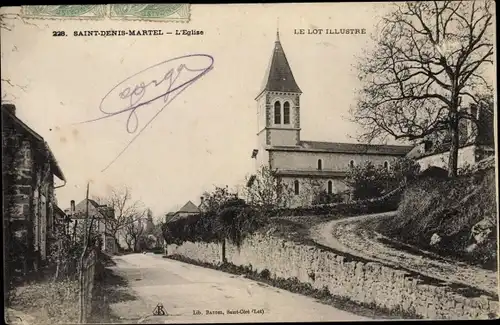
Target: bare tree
point(133, 231)
point(7, 23)
point(428, 57)
point(126, 211)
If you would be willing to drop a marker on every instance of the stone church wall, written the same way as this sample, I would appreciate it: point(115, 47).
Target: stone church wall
point(330, 161)
point(363, 282)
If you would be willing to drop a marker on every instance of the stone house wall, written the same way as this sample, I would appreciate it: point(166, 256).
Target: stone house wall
point(363, 282)
point(28, 195)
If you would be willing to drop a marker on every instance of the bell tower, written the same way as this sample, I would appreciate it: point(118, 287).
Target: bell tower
point(278, 104)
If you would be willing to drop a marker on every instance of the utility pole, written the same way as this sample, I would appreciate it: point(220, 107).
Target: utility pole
point(82, 259)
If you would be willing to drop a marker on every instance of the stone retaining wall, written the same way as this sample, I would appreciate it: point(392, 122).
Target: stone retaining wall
point(361, 282)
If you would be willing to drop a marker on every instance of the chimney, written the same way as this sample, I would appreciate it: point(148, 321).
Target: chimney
point(72, 209)
point(11, 108)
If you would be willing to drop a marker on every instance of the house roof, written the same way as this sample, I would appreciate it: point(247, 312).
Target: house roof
point(419, 152)
point(58, 210)
point(189, 207)
point(338, 147)
point(8, 110)
point(103, 210)
point(279, 76)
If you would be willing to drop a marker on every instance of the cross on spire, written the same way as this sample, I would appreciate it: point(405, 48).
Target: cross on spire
point(278, 30)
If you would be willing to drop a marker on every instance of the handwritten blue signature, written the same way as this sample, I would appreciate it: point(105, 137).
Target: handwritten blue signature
point(132, 93)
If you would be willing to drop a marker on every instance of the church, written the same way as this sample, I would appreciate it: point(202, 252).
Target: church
point(296, 161)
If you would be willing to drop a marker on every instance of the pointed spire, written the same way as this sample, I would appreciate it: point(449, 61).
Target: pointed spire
point(279, 76)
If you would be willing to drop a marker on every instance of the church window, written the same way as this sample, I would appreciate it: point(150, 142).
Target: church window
point(277, 113)
point(351, 163)
point(330, 187)
point(320, 164)
point(386, 165)
point(286, 113)
point(296, 187)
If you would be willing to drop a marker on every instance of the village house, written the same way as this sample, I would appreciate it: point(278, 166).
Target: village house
point(187, 209)
point(29, 169)
point(99, 215)
point(476, 141)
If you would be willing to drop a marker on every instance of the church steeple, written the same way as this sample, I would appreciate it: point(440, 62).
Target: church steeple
point(279, 76)
point(278, 107)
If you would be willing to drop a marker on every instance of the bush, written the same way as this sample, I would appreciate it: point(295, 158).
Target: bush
point(450, 208)
point(233, 223)
point(369, 181)
point(386, 203)
point(325, 198)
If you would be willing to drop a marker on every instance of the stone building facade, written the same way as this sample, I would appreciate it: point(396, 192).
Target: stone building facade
point(100, 215)
point(29, 169)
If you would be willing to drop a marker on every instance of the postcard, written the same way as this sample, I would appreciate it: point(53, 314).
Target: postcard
point(234, 163)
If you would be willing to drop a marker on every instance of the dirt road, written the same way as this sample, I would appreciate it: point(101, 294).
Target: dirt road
point(192, 294)
point(348, 236)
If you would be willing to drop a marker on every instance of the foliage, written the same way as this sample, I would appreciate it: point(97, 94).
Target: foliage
point(449, 208)
point(370, 181)
point(428, 57)
point(224, 216)
point(324, 197)
point(48, 302)
point(214, 201)
point(65, 248)
point(386, 203)
point(267, 191)
point(404, 170)
point(367, 180)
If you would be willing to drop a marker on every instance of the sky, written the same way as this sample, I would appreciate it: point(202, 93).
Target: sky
point(205, 136)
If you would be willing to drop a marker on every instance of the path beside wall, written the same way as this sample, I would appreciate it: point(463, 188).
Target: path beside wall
point(363, 282)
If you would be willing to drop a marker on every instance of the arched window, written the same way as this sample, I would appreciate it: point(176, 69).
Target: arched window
point(386, 165)
point(330, 187)
point(277, 113)
point(320, 164)
point(351, 163)
point(286, 113)
point(296, 187)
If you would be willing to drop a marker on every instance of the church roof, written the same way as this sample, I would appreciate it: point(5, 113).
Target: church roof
point(279, 76)
point(312, 173)
point(339, 147)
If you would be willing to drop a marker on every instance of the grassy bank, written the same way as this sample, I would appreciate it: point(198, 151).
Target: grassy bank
point(293, 285)
point(48, 302)
point(449, 208)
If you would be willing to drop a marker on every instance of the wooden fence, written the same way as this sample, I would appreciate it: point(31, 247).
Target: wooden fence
point(87, 285)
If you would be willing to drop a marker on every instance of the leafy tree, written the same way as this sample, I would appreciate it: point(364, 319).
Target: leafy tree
point(214, 201)
point(428, 58)
point(266, 191)
point(370, 181)
point(403, 170)
point(323, 197)
point(367, 180)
